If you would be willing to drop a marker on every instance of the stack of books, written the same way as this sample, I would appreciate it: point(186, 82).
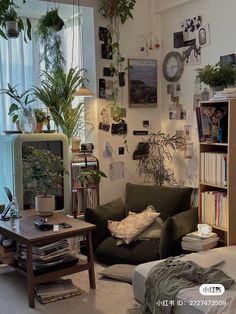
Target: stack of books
point(56, 290)
point(48, 257)
point(195, 242)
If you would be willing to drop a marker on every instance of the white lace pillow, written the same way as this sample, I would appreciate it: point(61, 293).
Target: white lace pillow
point(130, 227)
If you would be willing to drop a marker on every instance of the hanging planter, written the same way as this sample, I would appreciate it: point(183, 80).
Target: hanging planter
point(11, 24)
point(51, 20)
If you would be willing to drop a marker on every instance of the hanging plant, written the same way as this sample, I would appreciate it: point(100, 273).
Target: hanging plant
point(47, 33)
point(11, 24)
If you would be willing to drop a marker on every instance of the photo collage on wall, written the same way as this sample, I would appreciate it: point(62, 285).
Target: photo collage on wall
point(191, 39)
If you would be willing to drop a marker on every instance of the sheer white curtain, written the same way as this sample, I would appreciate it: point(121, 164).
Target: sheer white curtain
point(19, 65)
point(72, 42)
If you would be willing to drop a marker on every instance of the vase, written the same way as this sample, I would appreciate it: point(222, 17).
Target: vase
point(27, 120)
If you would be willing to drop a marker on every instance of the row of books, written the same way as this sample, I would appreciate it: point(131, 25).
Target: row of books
point(214, 168)
point(214, 208)
point(56, 290)
point(192, 242)
point(48, 257)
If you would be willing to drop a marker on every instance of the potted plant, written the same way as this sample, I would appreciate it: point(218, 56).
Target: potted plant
point(41, 117)
point(11, 24)
point(57, 94)
point(217, 76)
point(90, 177)
point(19, 110)
point(153, 164)
point(48, 169)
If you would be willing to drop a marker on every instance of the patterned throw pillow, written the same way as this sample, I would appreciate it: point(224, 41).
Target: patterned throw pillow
point(130, 227)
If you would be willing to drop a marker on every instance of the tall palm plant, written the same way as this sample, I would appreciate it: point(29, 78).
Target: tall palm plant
point(58, 93)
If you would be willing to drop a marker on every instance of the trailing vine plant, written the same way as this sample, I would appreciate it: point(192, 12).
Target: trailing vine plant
point(117, 11)
point(47, 32)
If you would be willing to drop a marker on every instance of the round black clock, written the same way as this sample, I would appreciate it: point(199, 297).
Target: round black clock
point(173, 66)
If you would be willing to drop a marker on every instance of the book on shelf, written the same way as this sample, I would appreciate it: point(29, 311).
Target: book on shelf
point(212, 123)
point(214, 208)
point(214, 168)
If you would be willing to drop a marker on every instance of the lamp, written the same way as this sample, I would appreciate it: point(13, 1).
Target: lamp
point(84, 91)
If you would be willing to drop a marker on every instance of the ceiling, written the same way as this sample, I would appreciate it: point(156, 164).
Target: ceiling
point(36, 8)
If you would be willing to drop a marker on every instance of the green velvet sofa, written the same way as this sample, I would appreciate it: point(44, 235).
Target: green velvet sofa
point(175, 206)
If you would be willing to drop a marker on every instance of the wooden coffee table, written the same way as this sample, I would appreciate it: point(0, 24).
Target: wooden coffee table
point(26, 233)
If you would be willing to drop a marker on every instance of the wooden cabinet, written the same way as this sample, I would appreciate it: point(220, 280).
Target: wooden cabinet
point(83, 195)
point(217, 170)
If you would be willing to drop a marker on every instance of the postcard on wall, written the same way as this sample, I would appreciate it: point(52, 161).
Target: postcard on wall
point(190, 27)
point(180, 142)
point(188, 132)
point(142, 87)
point(116, 170)
point(203, 36)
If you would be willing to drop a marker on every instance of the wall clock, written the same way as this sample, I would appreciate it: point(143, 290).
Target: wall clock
point(173, 66)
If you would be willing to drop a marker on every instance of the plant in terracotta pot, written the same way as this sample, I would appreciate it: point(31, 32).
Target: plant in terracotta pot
point(48, 169)
point(41, 118)
point(217, 76)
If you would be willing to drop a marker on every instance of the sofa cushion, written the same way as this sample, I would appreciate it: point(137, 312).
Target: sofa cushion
point(166, 200)
point(130, 227)
point(135, 253)
point(113, 210)
point(174, 229)
point(153, 231)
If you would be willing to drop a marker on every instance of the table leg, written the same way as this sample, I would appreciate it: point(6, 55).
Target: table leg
point(90, 260)
point(30, 276)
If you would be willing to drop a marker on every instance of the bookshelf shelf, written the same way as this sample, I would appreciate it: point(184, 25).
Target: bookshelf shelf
point(214, 185)
point(217, 165)
point(214, 144)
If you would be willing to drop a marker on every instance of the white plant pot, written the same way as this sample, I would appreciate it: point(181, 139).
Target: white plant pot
point(45, 205)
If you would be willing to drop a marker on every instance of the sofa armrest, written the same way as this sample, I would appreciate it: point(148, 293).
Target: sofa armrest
point(99, 216)
point(174, 229)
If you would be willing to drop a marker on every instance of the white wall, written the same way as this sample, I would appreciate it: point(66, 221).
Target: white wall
point(131, 42)
point(221, 17)
point(162, 5)
point(144, 22)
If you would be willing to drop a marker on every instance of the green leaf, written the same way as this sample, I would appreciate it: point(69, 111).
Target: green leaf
point(3, 34)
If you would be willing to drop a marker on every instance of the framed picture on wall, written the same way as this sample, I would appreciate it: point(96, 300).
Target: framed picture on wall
point(142, 87)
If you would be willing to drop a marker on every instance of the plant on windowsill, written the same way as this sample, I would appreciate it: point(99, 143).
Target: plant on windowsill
point(41, 118)
point(19, 110)
point(10, 23)
point(117, 11)
point(153, 165)
point(57, 93)
point(48, 169)
point(218, 76)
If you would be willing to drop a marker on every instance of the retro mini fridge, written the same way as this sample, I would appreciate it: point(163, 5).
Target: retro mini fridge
point(19, 180)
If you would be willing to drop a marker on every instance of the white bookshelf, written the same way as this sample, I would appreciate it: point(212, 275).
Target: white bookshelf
point(227, 232)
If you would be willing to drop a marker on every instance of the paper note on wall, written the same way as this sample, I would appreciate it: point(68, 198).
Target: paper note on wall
point(116, 170)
